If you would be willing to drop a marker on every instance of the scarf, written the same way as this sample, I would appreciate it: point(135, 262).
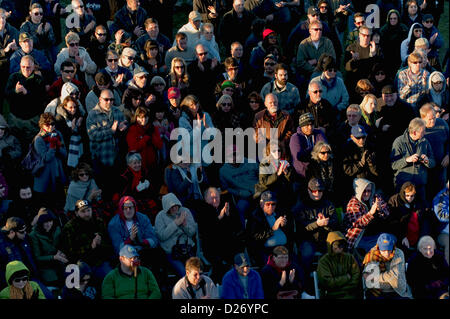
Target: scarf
point(16, 293)
point(136, 178)
point(374, 255)
point(52, 138)
point(79, 190)
point(279, 270)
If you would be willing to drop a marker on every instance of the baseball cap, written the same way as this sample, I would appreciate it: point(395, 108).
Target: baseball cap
point(173, 93)
point(195, 16)
point(358, 131)
point(386, 241)
point(266, 32)
point(82, 203)
point(128, 251)
point(15, 224)
point(139, 70)
point(268, 196)
point(313, 10)
point(305, 119)
point(241, 260)
point(315, 184)
point(24, 36)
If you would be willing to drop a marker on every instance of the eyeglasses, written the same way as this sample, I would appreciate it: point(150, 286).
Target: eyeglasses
point(226, 104)
point(316, 91)
point(112, 60)
point(365, 35)
point(17, 280)
point(179, 67)
point(314, 15)
point(315, 190)
point(102, 34)
point(326, 152)
point(360, 137)
point(429, 21)
point(323, 7)
point(68, 71)
point(202, 53)
point(418, 30)
point(331, 70)
point(380, 73)
point(437, 82)
point(83, 174)
point(74, 44)
point(316, 29)
point(131, 58)
point(272, 37)
point(40, 13)
point(359, 22)
point(107, 99)
point(269, 64)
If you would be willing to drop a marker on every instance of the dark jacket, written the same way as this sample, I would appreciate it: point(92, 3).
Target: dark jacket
point(353, 165)
point(127, 21)
point(323, 112)
point(11, 34)
point(234, 29)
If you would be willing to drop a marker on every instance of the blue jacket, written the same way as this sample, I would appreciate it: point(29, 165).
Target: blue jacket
point(232, 288)
point(39, 58)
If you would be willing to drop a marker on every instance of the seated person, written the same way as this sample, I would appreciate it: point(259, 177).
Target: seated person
point(338, 271)
point(195, 285)
point(281, 277)
point(427, 271)
point(85, 291)
point(384, 271)
point(19, 285)
point(241, 282)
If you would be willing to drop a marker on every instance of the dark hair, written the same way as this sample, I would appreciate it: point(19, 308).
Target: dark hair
point(82, 166)
point(255, 95)
point(358, 15)
point(230, 62)
point(46, 118)
point(281, 66)
point(67, 63)
point(149, 21)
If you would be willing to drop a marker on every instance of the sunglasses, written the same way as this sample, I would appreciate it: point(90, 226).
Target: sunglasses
point(315, 15)
point(361, 137)
point(317, 91)
point(79, 7)
point(316, 29)
point(40, 13)
point(17, 280)
point(102, 34)
point(269, 64)
point(68, 71)
point(365, 35)
point(226, 104)
point(83, 174)
point(107, 99)
point(416, 62)
point(112, 60)
point(74, 44)
point(380, 73)
point(202, 53)
point(326, 152)
point(429, 21)
point(323, 7)
point(437, 82)
point(332, 70)
point(315, 190)
point(179, 67)
point(359, 23)
point(131, 58)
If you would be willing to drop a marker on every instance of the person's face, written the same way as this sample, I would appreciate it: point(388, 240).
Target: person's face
point(370, 106)
point(359, 22)
point(271, 103)
point(282, 77)
point(330, 73)
point(141, 80)
point(232, 72)
point(175, 102)
point(136, 101)
point(2, 21)
point(174, 210)
point(159, 87)
point(324, 154)
point(359, 141)
point(133, 4)
point(323, 8)
point(364, 38)
point(316, 32)
point(430, 119)
point(25, 193)
point(135, 165)
point(238, 6)
point(153, 30)
point(389, 98)
point(269, 207)
point(418, 33)
point(385, 253)
point(409, 196)
point(427, 251)
point(27, 45)
point(281, 260)
point(243, 271)
point(128, 59)
point(237, 51)
point(208, 34)
point(313, 17)
point(338, 247)
point(428, 23)
point(272, 39)
point(128, 210)
point(178, 67)
point(78, 7)
point(196, 23)
point(412, 9)
point(182, 43)
point(159, 116)
point(415, 66)
point(353, 118)
point(193, 276)
point(202, 54)
point(275, 151)
point(315, 93)
point(85, 213)
point(142, 120)
point(437, 85)
point(367, 193)
point(70, 107)
point(315, 195)
point(417, 135)
point(128, 262)
point(254, 104)
point(84, 282)
point(307, 129)
point(68, 73)
point(106, 100)
point(228, 91)
point(380, 76)
point(47, 225)
point(83, 176)
point(20, 282)
point(213, 199)
point(193, 107)
point(27, 68)
point(36, 15)
point(49, 127)
point(112, 61)
point(393, 19)
point(269, 65)
point(226, 105)
point(100, 35)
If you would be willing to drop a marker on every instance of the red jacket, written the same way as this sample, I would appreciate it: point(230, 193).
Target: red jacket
point(140, 140)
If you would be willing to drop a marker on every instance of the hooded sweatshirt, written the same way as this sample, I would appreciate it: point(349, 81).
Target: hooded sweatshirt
point(119, 228)
point(333, 270)
point(392, 37)
point(12, 292)
point(166, 228)
point(66, 90)
point(405, 43)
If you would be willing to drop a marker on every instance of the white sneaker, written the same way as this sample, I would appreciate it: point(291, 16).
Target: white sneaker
point(306, 296)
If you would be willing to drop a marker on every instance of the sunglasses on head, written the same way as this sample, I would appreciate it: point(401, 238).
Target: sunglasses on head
point(17, 280)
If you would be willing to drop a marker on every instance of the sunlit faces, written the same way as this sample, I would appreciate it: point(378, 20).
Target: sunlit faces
point(135, 165)
point(36, 15)
point(359, 141)
point(70, 107)
point(385, 253)
point(153, 30)
point(128, 210)
point(427, 251)
point(324, 154)
point(271, 103)
point(26, 45)
point(364, 37)
point(367, 193)
point(417, 134)
point(409, 196)
point(437, 85)
point(237, 50)
point(430, 119)
point(141, 80)
point(370, 106)
point(238, 6)
point(193, 276)
point(315, 31)
point(182, 43)
point(112, 61)
point(281, 77)
point(353, 117)
point(281, 260)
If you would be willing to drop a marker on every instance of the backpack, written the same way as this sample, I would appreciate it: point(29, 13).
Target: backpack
point(33, 162)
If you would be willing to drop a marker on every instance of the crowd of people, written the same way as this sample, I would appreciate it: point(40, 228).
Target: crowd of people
point(350, 195)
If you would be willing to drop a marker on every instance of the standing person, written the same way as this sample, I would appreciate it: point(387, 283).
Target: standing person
point(105, 125)
point(85, 22)
point(241, 282)
point(390, 262)
point(338, 271)
point(412, 157)
point(152, 33)
point(195, 285)
point(191, 29)
point(98, 45)
point(130, 18)
point(130, 280)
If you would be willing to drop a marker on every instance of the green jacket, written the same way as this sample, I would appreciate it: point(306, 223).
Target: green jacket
point(307, 51)
point(44, 248)
point(11, 268)
point(333, 271)
point(118, 285)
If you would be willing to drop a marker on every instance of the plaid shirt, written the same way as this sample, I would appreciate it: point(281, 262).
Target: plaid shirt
point(104, 143)
point(357, 217)
point(410, 94)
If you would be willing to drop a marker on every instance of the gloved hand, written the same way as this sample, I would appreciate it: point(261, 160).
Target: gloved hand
point(142, 185)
